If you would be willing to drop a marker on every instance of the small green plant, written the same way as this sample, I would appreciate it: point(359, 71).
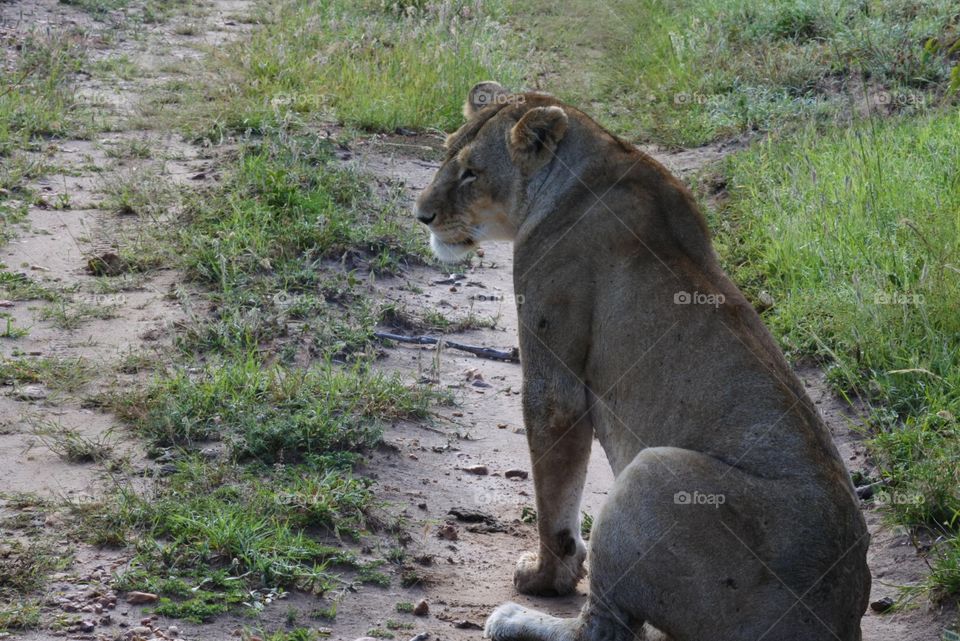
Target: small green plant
point(392, 624)
point(71, 445)
point(10, 330)
point(328, 613)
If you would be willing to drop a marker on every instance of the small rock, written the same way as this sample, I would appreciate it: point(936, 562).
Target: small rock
point(502, 426)
point(140, 630)
point(139, 598)
point(107, 264)
point(423, 636)
point(865, 492)
point(448, 531)
point(422, 608)
point(479, 470)
point(30, 393)
point(6, 303)
point(365, 639)
point(882, 605)
point(173, 630)
point(87, 626)
point(422, 506)
point(516, 474)
point(467, 625)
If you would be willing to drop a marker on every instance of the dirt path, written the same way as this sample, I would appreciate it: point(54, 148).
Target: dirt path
point(97, 330)
point(421, 469)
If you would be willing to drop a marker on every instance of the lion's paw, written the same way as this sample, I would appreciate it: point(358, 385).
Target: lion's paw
point(557, 578)
point(501, 624)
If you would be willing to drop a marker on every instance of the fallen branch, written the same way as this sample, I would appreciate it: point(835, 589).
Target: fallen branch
point(510, 356)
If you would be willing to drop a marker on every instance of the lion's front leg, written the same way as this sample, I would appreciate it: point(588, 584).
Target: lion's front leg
point(559, 434)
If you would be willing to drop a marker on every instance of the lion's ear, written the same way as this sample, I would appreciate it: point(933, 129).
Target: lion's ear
point(483, 94)
point(534, 139)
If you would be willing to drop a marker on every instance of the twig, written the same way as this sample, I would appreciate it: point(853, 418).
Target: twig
point(511, 356)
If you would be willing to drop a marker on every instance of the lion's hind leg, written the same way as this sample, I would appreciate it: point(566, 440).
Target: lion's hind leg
point(512, 622)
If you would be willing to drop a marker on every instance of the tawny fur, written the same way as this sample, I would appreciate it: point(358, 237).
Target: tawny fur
point(687, 398)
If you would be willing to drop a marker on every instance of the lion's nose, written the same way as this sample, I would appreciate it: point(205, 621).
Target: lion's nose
point(424, 217)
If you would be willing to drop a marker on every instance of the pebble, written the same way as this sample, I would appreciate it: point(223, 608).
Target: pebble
point(422, 608)
point(448, 531)
point(479, 470)
point(882, 605)
point(31, 393)
point(516, 474)
point(139, 598)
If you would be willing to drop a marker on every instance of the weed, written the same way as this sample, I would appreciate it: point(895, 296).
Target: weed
point(60, 374)
point(142, 192)
point(37, 99)
point(326, 614)
point(19, 286)
point(17, 613)
point(70, 445)
point(276, 414)
point(69, 315)
point(215, 531)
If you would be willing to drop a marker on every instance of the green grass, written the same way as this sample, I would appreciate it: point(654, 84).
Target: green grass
point(24, 569)
point(364, 63)
point(36, 96)
point(58, 374)
point(277, 414)
point(855, 237)
point(688, 72)
point(215, 536)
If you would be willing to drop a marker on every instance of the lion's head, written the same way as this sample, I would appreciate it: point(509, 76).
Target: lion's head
point(490, 161)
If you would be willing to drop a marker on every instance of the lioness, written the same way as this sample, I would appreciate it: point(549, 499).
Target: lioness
point(732, 516)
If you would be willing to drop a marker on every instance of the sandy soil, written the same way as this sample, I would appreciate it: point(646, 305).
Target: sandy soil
point(420, 467)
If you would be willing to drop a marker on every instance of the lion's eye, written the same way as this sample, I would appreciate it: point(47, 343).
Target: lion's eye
point(467, 176)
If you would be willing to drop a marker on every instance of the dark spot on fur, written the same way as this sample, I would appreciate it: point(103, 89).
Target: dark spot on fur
point(542, 324)
point(730, 583)
point(565, 543)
